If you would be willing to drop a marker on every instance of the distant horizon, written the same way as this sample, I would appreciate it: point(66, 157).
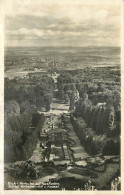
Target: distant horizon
point(57, 46)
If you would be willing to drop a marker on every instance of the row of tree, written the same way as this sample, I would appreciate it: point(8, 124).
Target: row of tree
point(21, 132)
point(94, 143)
point(98, 105)
point(99, 102)
point(101, 118)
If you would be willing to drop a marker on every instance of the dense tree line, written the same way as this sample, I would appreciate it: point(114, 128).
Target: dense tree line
point(22, 124)
point(101, 85)
point(103, 119)
point(20, 95)
point(34, 90)
point(98, 106)
point(67, 90)
point(94, 143)
point(21, 131)
point(99, 102)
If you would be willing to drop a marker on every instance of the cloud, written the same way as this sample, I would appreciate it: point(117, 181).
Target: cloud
point(52, 22)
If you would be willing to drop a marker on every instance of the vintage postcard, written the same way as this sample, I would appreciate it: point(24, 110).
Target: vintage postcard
point(62, 70)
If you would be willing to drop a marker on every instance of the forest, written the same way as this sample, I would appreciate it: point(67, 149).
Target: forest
point(94, 98)
point(35, 89)
point(23, 97)
point(98, 104)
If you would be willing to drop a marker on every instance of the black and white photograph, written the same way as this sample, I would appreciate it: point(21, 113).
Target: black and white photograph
point(62, 95)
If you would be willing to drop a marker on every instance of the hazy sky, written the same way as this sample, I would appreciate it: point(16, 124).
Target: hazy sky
point(61, 23)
